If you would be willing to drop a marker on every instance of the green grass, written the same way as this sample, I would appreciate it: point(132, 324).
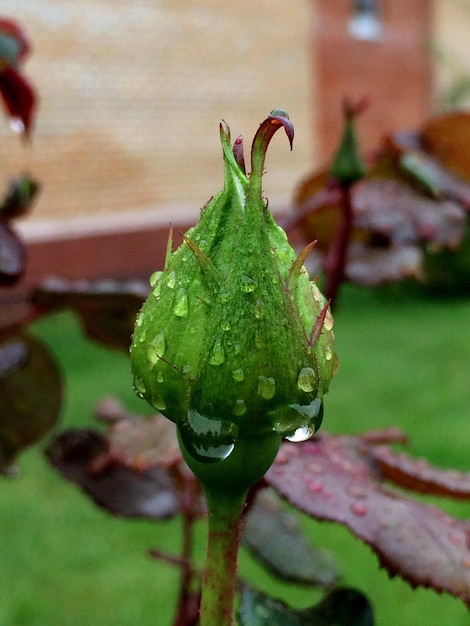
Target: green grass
point(403, 362)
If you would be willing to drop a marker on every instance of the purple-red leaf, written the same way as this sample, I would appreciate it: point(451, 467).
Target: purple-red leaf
point(274, 536)
point(107, 309)
point(139, 443)
point(134, 470)
point(30, 394)
point(339, 479)
point(419, 475)
point(12, 255)
point(78, 455)
point(19, 98)
point(341, 607)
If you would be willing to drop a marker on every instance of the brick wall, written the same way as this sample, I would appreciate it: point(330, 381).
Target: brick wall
point(394, 70)
point(132, 92)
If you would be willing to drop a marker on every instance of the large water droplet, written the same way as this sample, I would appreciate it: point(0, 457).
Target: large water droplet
point(159, 377)
point(266, 387)
point(301, 434)
point(217, 355)
point(247, 284)
point(208, 440)
point(156, 348)
point(180, 308)
point(328, 353)
point(238, 375)
point(291, 418)
point(307, 380)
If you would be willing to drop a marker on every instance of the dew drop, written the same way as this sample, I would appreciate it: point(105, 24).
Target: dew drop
point(266, 387)
point(466, 562)
point(208, 440)
point(180, 308)
point(359, 509)
point(259, 309)
point(239, 407)
point(139, 387)
point(307, 380)
point(154, 278)
point(156, 348)
point(158, 403)
point(247, 284)
point(328, 352)
point(171, 282)
point(314, 486)
point(159, 377)
point(225, 326)
point(301, 434)
point(16, 125)
point(328, 323)
point(238, 375)
point(217, 355)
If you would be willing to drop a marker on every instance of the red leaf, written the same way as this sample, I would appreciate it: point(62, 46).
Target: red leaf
point(12, 30)
point(338, 479)
point(19, 98)
point(418, 475)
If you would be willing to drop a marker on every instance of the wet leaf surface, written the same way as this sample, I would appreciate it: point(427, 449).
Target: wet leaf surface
point(140, 443)
point(341, 607)
point(12, 255)
point(274, 536)
point(135, 469)
point(79, 456)
point(418, 475)
point(339, 479)
point(30, 394)
point(107, 309)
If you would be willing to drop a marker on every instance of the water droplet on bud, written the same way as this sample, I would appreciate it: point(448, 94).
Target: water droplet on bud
point(180, 308)
point(156, 348)
point(247, 284)
point(158, 403)
point(307, 380)
point(266, 387)
point(171, 282)
point(154, 278)
point(217, 355)
point(238, 375)
point(301, 434)
point(208, 440)
point(239, 408)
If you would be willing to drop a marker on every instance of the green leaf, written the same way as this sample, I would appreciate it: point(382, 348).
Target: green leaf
point(341, 607)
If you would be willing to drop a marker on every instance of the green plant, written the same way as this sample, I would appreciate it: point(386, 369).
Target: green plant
point(235, 346)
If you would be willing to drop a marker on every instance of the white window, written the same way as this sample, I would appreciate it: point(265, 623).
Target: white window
point(365, 22)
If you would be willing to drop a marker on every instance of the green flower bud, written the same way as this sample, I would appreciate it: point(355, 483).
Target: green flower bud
point(235, 342)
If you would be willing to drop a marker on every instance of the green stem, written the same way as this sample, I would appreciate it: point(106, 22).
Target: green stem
point(219, 584)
